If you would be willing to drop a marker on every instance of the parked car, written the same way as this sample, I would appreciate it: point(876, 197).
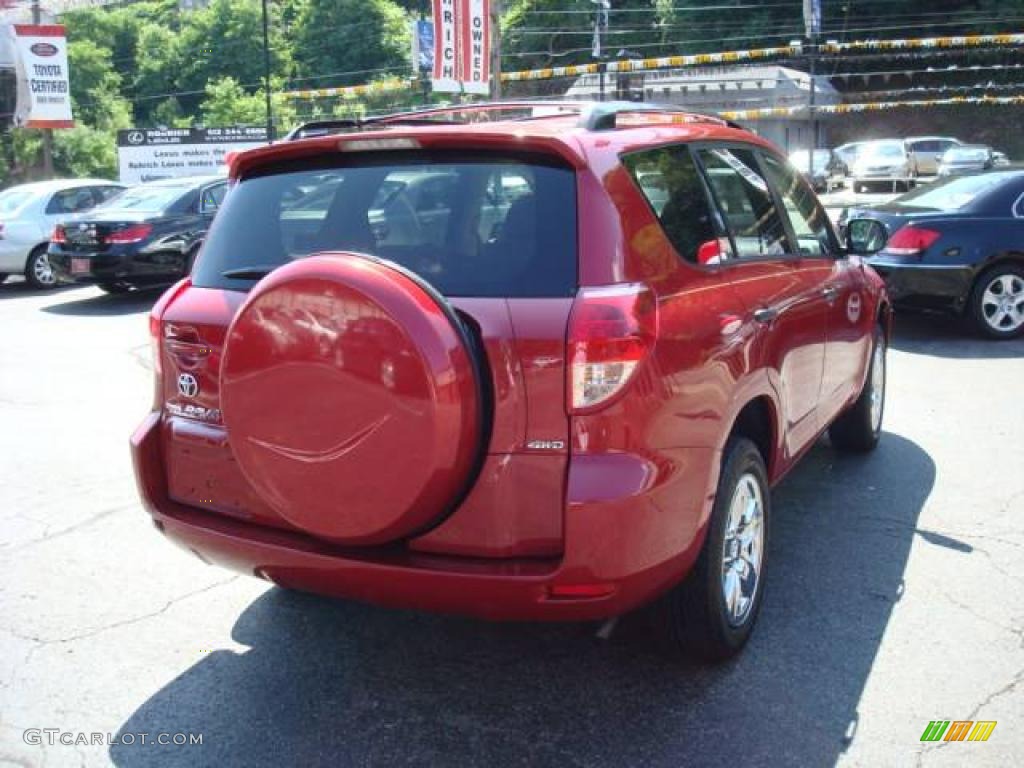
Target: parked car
point(145, 236)
point(926, 153)
point(847, 153)
point(562, 417)
point(967, 158)
point(821, 168)
point(882, 162)
point(955, 246)
point(1000, 158)
point(28, 213)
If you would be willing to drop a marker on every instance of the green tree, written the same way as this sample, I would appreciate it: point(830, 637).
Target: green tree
point(360, 37)
point(95, 87)
point(228, 103)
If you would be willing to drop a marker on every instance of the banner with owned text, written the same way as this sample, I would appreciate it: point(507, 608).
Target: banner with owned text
point(462, 46)
point(41, 68)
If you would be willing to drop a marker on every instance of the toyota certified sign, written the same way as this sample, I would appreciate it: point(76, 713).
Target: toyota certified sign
point(41, 68)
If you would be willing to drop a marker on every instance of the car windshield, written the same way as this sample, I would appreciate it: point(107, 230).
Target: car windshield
point(955, 193)
point(882, 151)
point(966, 154)
point(471, 224)
point(12, 199)
point(145, 199)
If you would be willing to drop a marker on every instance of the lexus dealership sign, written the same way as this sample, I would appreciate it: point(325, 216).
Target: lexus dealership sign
point(148, 155)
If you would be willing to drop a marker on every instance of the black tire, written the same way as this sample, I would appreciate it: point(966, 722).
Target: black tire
point(981, 301)
point(857, 430)
point(694, 618)
point(115, 289)
point(35, 276)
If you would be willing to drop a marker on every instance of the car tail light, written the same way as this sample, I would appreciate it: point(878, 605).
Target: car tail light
point(132, 234)
point(911, 240)
point(611, 331)
point(59, 235)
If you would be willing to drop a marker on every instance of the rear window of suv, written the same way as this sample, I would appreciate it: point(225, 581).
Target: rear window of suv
point(470, 224)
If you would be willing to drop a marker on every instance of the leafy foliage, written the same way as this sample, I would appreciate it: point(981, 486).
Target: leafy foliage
point(149, 63)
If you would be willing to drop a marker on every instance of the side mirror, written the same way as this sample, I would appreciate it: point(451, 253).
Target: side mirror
point(865, 237)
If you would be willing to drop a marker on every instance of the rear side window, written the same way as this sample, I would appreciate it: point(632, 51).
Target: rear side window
point(70, 201)
point(743, 196)
point(470, 224)
point(669, 179)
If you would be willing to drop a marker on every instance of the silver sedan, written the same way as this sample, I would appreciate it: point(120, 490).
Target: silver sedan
point(28, 214)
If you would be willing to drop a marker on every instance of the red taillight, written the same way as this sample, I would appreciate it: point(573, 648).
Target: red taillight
point(611, 330)
point(911, 240)
point(132, 234)
point(58, 236)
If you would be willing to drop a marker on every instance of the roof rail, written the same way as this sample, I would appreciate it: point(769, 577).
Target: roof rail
point(460, 113)
point(603, 115)
point(594, 116)
point(355, 124)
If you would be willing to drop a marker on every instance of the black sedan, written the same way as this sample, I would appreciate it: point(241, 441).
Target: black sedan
point(955, 245)
point(147, 235)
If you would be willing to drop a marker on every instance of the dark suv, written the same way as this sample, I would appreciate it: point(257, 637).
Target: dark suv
point(515, 363)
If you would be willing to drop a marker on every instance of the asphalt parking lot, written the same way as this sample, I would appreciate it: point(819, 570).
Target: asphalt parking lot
point(894, 597)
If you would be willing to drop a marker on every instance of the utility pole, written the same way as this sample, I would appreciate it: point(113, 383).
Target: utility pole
point(37, 18)
point(495, 49)
point(600, 25)
point(812, 28)
point(266, 72)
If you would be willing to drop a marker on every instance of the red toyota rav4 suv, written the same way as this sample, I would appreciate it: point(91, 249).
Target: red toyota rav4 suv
point(509, 361)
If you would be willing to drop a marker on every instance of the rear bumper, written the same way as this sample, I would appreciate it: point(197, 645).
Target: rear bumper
point(13, 256)
point(120, 264)
point(623, 541)
point(927, 285)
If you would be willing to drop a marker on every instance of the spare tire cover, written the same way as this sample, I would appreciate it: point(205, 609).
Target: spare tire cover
point(352, 399)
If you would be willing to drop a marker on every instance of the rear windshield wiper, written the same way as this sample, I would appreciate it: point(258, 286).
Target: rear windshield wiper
point(249, 273)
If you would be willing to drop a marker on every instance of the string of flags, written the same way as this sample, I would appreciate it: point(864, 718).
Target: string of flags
point(689, 60)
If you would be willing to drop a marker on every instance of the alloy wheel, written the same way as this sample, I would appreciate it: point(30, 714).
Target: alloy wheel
point(42, 271)
point(743, 549)
point(1002, 302)
point(877, 385)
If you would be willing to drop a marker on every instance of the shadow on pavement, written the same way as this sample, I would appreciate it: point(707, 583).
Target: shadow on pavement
point(942, 335)
point(105, 305)
point(335, 683)
point(18, 289)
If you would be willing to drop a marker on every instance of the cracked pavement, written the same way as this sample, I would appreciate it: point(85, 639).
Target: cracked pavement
point(893, 598)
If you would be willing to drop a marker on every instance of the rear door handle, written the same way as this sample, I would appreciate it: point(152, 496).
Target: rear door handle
point(766, 315)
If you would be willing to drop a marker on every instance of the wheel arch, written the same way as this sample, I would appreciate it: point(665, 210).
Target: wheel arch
point(982, 267)
point(757, 421)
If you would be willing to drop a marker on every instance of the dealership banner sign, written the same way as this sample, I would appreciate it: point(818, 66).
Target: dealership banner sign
point(41, 70)
point(462, 46)
point(148, 155)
